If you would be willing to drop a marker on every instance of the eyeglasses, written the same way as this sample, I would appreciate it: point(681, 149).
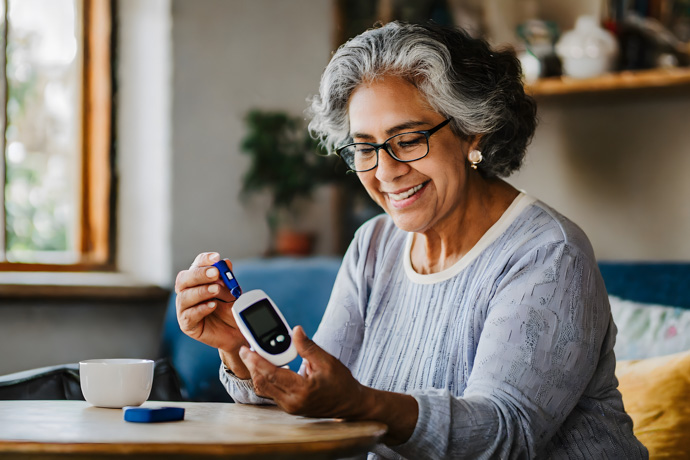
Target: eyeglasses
point(403, 147)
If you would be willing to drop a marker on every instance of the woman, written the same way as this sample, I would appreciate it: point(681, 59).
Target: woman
point(469, 318)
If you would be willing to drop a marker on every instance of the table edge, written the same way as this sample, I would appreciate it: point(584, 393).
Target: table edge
point(298, 447)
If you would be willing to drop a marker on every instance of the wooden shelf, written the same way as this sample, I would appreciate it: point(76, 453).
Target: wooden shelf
point(656, 78)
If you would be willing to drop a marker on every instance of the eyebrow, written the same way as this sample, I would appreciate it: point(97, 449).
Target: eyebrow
point(391, 131)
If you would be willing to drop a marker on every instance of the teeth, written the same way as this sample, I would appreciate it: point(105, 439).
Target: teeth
point(406, 194)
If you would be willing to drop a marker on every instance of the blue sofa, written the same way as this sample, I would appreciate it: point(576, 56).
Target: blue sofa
point(662, 283)
point(301, 287)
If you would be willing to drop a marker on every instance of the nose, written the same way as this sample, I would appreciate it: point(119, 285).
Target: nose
point(388, 168)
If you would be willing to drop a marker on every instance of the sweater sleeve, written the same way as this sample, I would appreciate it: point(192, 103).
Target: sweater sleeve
point(537, 352)
point(241, 391)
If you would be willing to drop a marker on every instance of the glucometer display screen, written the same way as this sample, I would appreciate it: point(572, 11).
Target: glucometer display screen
point(266, 327)
point(261, 318)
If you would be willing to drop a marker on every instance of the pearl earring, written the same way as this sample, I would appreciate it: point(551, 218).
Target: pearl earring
point(475, 158)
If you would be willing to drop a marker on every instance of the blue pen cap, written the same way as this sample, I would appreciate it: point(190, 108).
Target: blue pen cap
point(228, 278)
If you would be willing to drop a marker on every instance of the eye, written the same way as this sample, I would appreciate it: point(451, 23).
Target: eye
point(364, 150)
point(409, 140)
point(409, 143)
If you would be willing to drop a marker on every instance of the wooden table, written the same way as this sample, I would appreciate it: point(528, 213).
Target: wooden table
point(73, 429)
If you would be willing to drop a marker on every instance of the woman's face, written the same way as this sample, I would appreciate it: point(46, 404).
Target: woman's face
point(423, 194)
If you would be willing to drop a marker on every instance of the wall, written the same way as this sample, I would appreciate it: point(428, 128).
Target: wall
point(617, 164)
point(37, 333)
point(143, 162)
point(231, 57)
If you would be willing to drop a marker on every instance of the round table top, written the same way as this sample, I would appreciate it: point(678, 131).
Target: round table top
point(209, 429)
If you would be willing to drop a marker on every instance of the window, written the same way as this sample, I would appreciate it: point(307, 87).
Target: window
point(55, 87)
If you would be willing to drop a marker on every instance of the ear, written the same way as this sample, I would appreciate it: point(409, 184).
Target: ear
point(473, 142)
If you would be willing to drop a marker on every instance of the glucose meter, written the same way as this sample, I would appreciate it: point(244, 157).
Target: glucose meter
point(228, 278)
point(264, 327)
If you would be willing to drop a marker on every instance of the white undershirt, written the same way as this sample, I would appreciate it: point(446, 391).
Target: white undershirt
point(509, 215)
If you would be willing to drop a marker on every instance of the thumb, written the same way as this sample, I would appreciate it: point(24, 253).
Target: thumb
point(306, 347)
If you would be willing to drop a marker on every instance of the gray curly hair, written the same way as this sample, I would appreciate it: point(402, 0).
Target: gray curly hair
point(461, 77)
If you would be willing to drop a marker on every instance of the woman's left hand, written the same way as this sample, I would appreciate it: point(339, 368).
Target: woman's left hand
point(327, 388)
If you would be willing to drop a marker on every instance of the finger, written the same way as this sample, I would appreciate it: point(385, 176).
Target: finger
point(196, 276)
point(204, 275)
point(205, 258)
point(190, 318)
point(268, 379)
point(306, 348)
point(193, 277)
point(193, 296)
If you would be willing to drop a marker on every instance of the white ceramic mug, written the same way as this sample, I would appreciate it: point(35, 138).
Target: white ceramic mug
point(116, 383)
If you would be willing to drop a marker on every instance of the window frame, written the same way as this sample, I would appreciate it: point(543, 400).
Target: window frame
point(95, 238)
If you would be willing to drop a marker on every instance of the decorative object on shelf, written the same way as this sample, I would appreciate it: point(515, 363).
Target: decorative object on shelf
point(646, 44)
point(531, 66)
point(588, 50)
point(538, 38)
point(289, 164)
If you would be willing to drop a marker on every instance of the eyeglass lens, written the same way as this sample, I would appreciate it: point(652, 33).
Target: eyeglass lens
point(403, 147)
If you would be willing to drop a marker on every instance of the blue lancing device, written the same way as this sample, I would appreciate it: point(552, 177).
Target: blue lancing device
point(228, 278)
point(153, 414)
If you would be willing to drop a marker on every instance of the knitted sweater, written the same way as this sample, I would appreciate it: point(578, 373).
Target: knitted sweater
point(509, 352)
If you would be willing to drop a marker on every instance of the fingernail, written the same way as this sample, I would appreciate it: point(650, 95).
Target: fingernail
point(243, 351)
point(213, 289)
point(211, 305)
point(211, 272)
point(214, 257)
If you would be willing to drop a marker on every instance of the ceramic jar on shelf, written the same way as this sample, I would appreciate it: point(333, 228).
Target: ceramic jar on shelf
point(588, 50)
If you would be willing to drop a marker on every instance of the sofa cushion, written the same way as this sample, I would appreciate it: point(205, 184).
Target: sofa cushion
point(655, 393)
point(647, 330)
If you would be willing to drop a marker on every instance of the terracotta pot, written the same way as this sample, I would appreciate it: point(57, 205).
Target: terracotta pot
point(292, 243)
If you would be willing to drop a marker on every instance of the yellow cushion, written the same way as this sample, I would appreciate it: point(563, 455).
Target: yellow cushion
point(656, 394)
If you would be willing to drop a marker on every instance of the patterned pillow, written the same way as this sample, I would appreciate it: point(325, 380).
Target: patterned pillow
point(646, 330)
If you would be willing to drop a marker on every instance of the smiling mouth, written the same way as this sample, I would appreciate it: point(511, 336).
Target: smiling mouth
point(407, 193)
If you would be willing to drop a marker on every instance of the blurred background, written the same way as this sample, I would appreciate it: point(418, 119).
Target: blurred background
point(138, 133)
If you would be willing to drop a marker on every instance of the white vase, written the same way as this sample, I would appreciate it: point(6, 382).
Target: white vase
point(588, 50)
point(531, 67)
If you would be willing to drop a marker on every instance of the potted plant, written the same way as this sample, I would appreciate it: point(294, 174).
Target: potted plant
point(288, 163)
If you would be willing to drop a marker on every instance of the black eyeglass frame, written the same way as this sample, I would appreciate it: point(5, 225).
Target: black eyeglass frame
point(386, 146)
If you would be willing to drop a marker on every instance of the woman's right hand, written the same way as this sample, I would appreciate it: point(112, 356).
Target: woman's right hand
point(204, 310)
